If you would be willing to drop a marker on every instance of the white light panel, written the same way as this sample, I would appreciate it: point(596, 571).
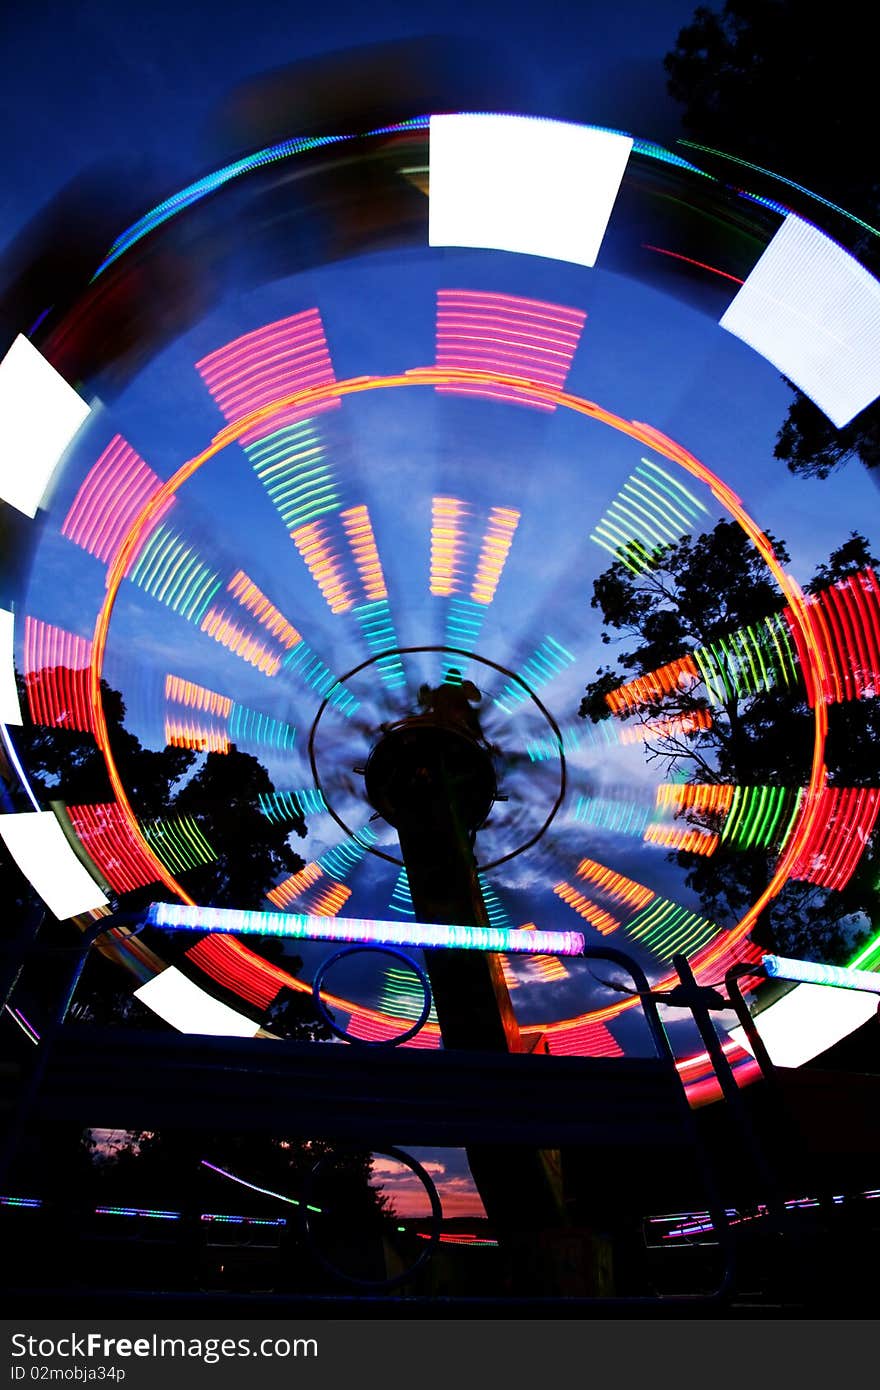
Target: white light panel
point(10, 710)
point(807, 1020)
point(39, 847)
point(812, 310)
point(39, 415)
point(517, 183)
point(190, 1009)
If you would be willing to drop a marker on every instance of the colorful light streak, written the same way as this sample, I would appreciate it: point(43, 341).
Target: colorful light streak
point(679, 726)
point(620, 817)
point(546, 662)
point(106, 837)
point(56, 676)
point(669, 928)
point(596, 916)
point(651, 511)
point(584, 1039)
point(250, 372)
point(190, 733)
point(359, 530)
point(179, 843)
point(324, 565)
point(169, 569)
point(689, 260)
point(845, 821)
point(845, 625)
point(673, 678)
point(811, 973)
point(310, 668)
point(761, 817)
point(494, 550)
point(285, 807)
point(729, 944)
point(291, 465)
point(401, 901)
point(302, 926)
point(447, 544)
point(505, 333)
point(616, 886)
point(114, 491)
point(180, 691)
point(252, 1186)
point(255, 601)
point(688, 841)
point(402, 996)
point(218, 624)
point(748, 662)
point(250, 726)
point(374, 620)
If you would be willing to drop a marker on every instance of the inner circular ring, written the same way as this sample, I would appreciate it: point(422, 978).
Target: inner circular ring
point(815, 671)
point(472, 656)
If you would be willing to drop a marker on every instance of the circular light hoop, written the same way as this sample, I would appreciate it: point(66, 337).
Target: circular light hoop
point(472, 656)
point(371, 950)
point(424, 1255)
point(815, 671)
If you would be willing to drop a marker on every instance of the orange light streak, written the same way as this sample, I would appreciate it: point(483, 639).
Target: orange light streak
point(358, 528)
point(654, 685)
point(255, 601)
point(667, 728)
point(217, 624)
point(596, 916)
point(184, 692)
point(691, 841)
point(447, 544)
point(283, 894)
point(181, 733)
point(623, 890)
point(313, 545)
point(497, 541)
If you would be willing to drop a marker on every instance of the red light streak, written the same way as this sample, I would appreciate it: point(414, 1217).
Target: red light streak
point(56, 676)
point(701, 265)
point(109, 842)
point(845, 625)
point(846, 820)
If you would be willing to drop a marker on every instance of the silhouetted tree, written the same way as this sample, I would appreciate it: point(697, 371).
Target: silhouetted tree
point(696, 593)
point(790, 87)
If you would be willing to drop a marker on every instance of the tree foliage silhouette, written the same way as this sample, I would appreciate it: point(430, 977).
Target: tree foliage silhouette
point(698, 591)
point(790, 87)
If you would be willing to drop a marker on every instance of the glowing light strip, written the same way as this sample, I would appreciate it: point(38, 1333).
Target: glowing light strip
point(547, 661)
point(303, 661)
point(401, 898)
point(620, 817)
point(251, 371)
point(621, 889)
point(651, 511)
point(810, 973)
point(654, 685)
point(668, 927)
point(252, 1186)
point(359, 530)
point(679, 726)
point(501, 332)
point(596, 916)
point(184, 692)
point(287, 892)
point(290, 464)
point(188, 733)
point(749, 661)
point(218, 624)
point(286, 806)
point(494, 551)
point(760, 817)
point(181, 917)
point(41, 414)
point(31, 1202)
point(844, 824)
point(464, 621)
point(845, 624)
point(106, 837)
point(169, 570)
point(689, 841)
point(252, 726)
point(447, 544)
point(375, 622)
point(179, 843)
point(56, 675)
point(339, 861)
point(139, 1211)
point(255, 601)
point(585, 1039)
point(402, 996)
point(313, 544)
point(116, 488)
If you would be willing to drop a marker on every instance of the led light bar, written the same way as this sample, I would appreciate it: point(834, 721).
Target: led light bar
point(518, 183)
point(812, 310)
point(808, 972)
point(38, 845)
point(181, 917)
point(41, 414)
